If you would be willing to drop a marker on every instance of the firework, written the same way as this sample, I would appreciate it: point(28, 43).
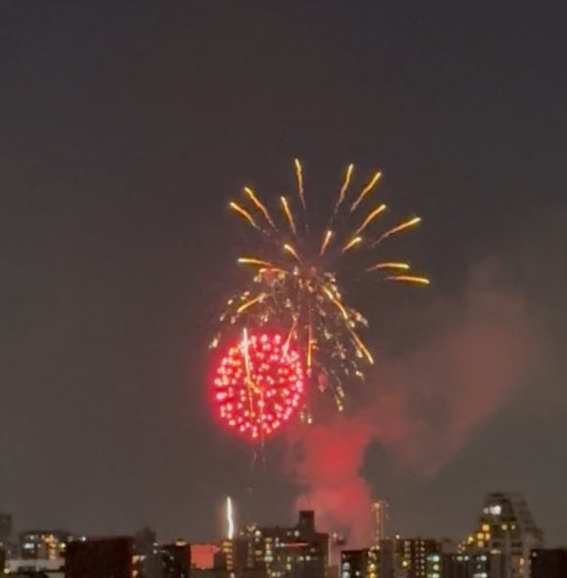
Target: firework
point(229, 519)
point(296, 284)
point(258, 385)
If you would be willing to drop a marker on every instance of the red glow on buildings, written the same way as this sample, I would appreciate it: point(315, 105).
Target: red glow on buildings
point(203, 555)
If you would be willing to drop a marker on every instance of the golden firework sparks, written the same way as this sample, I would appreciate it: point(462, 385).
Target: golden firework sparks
point(301, 293)
point(289, 215)
point(367, 189)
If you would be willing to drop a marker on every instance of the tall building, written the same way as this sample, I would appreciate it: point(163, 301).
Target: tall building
point(306, 523)
point(387, 559)
point(5, 530)
point(102, 558)
point(44, 544)
point(236, 555)
point(379, 514)
point(548, 563)
point(507, 527)
point(149, 554)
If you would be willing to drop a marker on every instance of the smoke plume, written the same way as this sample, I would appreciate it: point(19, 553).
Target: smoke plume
point(423, 406)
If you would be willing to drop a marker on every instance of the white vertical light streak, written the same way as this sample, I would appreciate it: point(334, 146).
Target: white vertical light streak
point(229, 518)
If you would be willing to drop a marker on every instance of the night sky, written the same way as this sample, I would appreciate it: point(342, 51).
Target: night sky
point(126, 127)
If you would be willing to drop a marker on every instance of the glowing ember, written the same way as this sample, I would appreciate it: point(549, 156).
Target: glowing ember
point(258, 385)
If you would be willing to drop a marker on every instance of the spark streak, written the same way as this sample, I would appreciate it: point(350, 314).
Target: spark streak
point(409, 279)
point(299, 175)
point(371, 216)
point(249, 385)
point(344, 188)
point(289, 215)
point(336, 302)
point(352, 243)
point(365, 191)
point(362, 347)
point(326, 239)
point(292, 251)
point(260, 206)
point(254, 261)
point(389, 265)
point(244, 213)
point(249, 303)
point(399, 228)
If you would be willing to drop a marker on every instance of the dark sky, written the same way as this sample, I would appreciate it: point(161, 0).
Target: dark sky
point(125, 127)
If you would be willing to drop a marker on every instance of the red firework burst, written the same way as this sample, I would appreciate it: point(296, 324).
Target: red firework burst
point(258, 385)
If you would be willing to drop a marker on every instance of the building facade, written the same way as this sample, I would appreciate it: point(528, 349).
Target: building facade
point(506, 529)
point(102, 558)
point(548, 563)
point(44, 544)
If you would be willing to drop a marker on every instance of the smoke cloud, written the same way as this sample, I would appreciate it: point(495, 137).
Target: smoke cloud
point(422, 406)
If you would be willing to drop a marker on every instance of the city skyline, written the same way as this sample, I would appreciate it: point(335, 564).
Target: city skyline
point(506, 542)
point(127, 129)
point(233, 523)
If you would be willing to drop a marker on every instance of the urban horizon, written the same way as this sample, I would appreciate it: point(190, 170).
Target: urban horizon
point(505, 539)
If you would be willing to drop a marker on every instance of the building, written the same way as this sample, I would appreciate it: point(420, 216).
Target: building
point(507, 527)
point(175, 560)
point(102, 558)
point(354, 563)
point(416, 558)
point(294, 552)
point(548, 563)
point(5, 531)
point(379, 514)
point(44, 544)
point(363, 563)
point(387, 559)
point(36, 568)
point(203, 556)
point(472, 566)
point(236, 555)
point(148, 552)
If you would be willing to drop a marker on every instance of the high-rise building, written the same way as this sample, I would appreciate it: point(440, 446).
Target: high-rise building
point(379, 514)
point(101, 558)
point(149, 554)
point(548, 563)
point(507, 527)
point(387, 559)
point(44, 544)
point(5, 530)
point(236, 555)
point(306, 523)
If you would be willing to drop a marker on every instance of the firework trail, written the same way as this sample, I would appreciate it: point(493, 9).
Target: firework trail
point(229, 519)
